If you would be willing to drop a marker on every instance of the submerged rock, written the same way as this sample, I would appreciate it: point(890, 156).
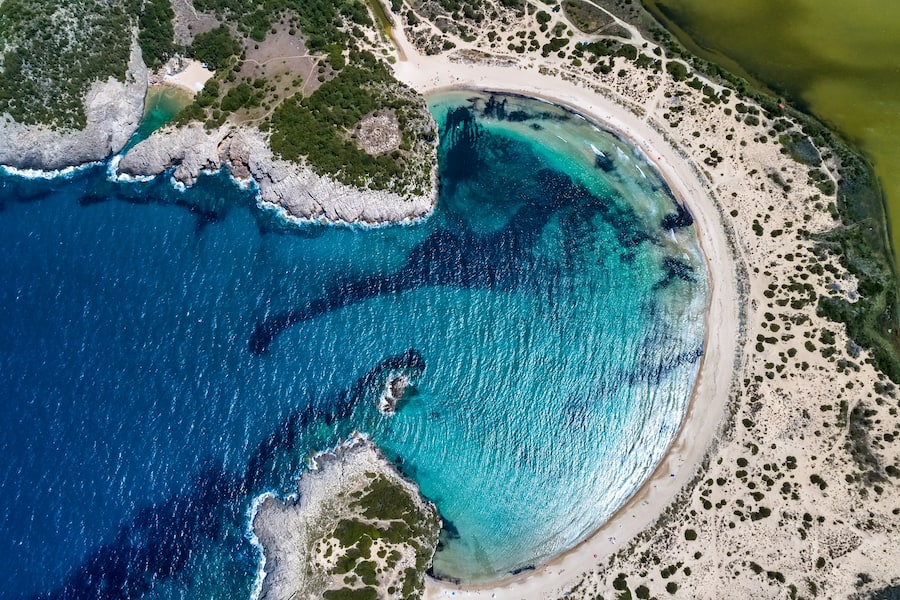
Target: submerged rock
point(357, 524)
point(113, 110)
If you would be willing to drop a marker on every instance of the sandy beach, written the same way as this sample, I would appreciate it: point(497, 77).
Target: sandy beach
point(190, 75)
point(711, 391)
point(701, 524)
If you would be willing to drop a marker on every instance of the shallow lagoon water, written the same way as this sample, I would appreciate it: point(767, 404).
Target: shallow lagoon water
point(840, 59)
point(167, 357)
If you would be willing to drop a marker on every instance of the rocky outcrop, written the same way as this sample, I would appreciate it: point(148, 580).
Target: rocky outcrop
point(394, 390)
point(358, 528)
point(295, 188)
point(190, 149)
point(113, 110)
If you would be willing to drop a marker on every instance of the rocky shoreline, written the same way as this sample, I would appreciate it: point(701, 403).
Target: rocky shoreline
point(297, 189)
point(357, 525)
point(113, 110)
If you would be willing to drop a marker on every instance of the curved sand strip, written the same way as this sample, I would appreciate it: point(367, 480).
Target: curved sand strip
point(723, 332)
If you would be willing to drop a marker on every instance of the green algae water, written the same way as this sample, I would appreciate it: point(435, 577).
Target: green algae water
point(840, 59)
point(163, 102)
point(168, 357)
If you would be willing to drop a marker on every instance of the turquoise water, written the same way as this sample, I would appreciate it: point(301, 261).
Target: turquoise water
point(167, 357)
point(163, 102)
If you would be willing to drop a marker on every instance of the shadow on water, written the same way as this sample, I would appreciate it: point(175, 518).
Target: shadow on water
point(161, 540)
point(501, 261)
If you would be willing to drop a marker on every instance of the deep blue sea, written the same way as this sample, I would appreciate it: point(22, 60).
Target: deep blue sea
point(167, 356)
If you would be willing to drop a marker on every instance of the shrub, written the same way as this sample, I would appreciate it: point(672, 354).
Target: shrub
point(678, 70)
point(157, 34)
point(215, 47)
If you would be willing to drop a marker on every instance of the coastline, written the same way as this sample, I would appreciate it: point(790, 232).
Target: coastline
point(113, 110)
point(191, 77)
point(299, 537)
point(763, 225)
point(703, 418)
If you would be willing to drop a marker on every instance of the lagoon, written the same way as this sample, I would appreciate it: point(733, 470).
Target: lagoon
point(839, 60)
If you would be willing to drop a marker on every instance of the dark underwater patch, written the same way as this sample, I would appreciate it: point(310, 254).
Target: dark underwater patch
point(682, 217)
point(160, 540)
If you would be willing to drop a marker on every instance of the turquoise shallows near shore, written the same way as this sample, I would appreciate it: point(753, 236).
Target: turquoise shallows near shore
point(580, 375)
point(164, 367)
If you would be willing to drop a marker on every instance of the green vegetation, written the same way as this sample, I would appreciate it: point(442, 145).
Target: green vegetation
point(586, 17)
point(365, 593)
point(157, 34)
point(215, 47)
point(677, 69)
point(242, 95)
point(53, 50)
point(861, 240)
point(870, 319)
point(815, 479)
point(320, 20)
point(860, 445)
point(384, 510)
point(317, 128)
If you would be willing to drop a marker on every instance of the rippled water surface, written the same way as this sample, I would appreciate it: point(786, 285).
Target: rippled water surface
point(166, 357)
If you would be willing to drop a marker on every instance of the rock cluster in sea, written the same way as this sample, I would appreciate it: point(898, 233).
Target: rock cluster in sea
point(113, 110)
point(393, 392)
point(358, 527)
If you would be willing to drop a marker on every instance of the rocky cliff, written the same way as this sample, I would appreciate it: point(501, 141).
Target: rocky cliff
point(293, 187)
point(113, 110)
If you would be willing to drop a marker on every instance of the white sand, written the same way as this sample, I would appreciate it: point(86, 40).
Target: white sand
point(431, 73)
point(192, 78)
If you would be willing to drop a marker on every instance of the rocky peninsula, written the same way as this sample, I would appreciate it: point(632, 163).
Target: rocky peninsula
point(358, 529)
point(341, 142)
point(294, 188)
point(792, 437)
point(113, 110)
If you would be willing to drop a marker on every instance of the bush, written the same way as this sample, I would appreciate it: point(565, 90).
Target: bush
point(215, 47)
point(157, 34)
point(241, 96)
point(678, 70)
point(47, 68)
